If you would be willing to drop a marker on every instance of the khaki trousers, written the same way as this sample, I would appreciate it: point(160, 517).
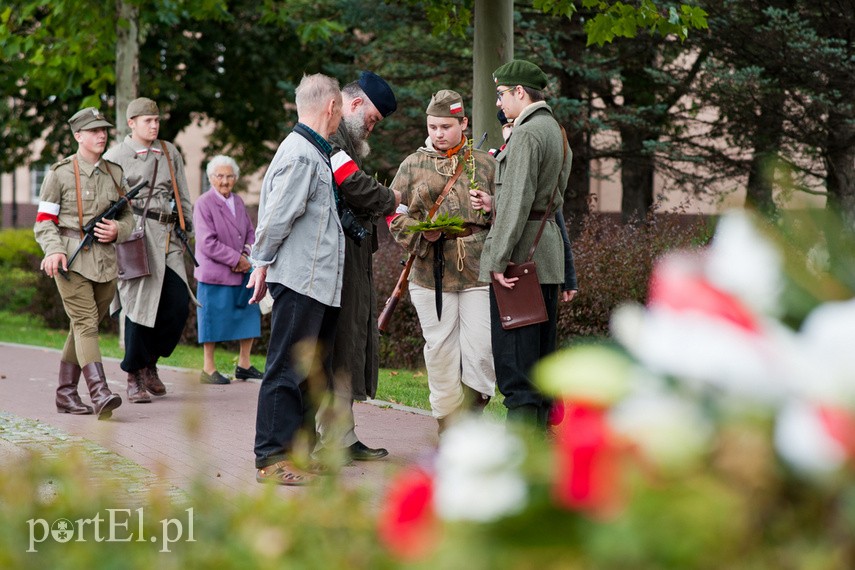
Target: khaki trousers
point(86, 303)
point(457, 348)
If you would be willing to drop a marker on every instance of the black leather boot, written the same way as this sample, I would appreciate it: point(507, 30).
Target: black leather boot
point(67, 399)
point(103, 400)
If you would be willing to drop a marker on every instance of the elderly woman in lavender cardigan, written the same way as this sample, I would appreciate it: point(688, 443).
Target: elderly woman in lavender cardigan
point(224, 234)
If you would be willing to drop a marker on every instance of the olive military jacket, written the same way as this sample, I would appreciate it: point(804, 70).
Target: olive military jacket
point(140, 297)
point(58, 209)
point(420, 179)
point(530, 168)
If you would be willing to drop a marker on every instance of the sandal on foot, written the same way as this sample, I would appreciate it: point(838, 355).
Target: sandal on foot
point(282, 473)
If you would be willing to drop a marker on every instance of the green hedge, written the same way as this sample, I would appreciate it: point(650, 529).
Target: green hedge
point(613, 264)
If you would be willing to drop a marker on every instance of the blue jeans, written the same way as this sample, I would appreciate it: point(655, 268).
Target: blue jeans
point(285, 399)
point(516, 351)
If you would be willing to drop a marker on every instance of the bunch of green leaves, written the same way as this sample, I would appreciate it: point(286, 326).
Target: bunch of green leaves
point(443, 222)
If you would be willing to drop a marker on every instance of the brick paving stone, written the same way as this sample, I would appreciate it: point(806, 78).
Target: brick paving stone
point(194, 431)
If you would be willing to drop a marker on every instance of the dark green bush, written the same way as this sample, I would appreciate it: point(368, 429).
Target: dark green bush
point(614, 262)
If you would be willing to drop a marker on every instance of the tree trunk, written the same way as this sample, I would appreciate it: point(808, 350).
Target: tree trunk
point(636, 175)
point(767, 143)
point(493, 46)
point(840, 165)
point(127, 62)
point(639, 99)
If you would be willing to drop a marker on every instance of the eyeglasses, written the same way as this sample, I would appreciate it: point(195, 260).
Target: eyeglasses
point(502, 92)
point(222, 177)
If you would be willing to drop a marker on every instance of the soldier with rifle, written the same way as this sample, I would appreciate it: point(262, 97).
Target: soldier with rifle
point(453, 306)
point(156, 306)
point(78, 190)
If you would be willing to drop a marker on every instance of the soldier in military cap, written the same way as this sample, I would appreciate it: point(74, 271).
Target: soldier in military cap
point(534, 165)
point(453, 306)
point(77, 189)
point(156, 306)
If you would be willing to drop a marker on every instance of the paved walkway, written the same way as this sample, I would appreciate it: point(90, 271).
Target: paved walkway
point(194, 432)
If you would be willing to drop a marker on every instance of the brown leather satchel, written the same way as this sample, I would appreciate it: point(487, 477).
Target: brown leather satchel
point(523, 305)
point(132, 254)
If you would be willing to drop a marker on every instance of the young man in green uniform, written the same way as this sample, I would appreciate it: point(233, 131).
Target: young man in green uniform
point(532, 167)
point(77, 189)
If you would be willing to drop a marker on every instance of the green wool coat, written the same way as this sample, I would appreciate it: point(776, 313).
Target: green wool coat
point(529, 169)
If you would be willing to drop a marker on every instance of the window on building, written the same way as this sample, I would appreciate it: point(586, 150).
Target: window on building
point(37, 176)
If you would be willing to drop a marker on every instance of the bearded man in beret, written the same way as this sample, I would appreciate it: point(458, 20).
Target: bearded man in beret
point(366, 102)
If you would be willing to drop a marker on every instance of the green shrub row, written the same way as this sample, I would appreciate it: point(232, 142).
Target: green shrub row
point(613, 265)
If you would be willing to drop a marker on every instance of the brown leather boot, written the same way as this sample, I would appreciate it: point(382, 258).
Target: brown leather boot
point(103, 400)
point(136, 390)
point(67, 399)
point(152, 382)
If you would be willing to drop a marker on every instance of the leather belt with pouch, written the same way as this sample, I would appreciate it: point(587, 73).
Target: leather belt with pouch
point(161, 217)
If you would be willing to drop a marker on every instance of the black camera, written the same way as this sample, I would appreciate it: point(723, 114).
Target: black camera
point(352, 227)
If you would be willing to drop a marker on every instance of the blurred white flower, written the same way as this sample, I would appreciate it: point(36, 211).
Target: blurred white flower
point(745, 263)
point(669, 431)
point(704, 351)
point(478, 472)
point(804, 442)
point(823, 359)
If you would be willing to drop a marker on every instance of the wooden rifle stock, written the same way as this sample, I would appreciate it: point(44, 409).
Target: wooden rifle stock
point(392, 302)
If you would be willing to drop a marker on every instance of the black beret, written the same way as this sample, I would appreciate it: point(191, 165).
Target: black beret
point(379, 92)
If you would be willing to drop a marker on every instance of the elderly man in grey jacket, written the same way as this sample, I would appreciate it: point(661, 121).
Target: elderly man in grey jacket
point(299, 255)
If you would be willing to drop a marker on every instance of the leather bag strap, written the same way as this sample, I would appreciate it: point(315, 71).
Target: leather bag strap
point(79, 195)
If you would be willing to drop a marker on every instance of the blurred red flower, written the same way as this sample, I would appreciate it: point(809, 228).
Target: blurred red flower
point(408, 526)
point(587, 457)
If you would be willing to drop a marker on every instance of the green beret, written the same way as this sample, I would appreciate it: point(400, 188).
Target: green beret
point(88, 118)
point(141, 106)
point(445, 103)
point(520, 72)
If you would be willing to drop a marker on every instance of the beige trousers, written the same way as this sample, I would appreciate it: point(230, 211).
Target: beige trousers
point(457, 347)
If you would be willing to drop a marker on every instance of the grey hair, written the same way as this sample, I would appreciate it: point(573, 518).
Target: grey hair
point(222, 160)
point(313, 93)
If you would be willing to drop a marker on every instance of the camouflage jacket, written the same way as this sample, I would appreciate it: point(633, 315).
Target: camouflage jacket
point(420, 179)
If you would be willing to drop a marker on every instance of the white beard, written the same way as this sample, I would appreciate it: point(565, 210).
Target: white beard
point(355, 126)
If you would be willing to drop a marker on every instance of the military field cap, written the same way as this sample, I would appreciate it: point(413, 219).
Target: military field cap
point(88, 118)
point(445, 103)
point(379, 92)
point(141, 106)
point(520, 72)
